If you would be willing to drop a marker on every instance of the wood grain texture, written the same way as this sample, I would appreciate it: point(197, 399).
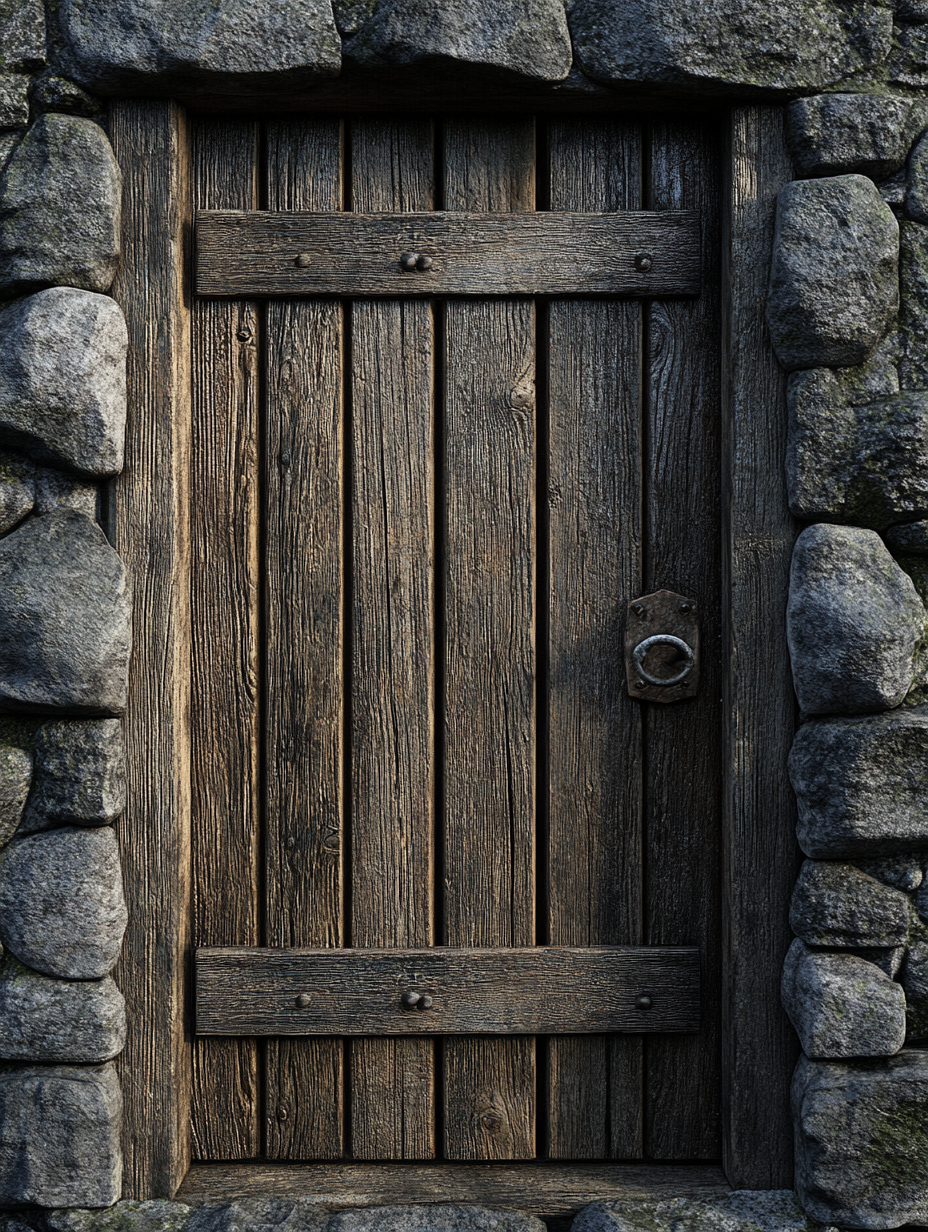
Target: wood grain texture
point(594, 874)
point(761, 856)
point(305, 804)
point(683, 554)
point(148, 525)
point(393, 644)
point(475, 253)
point(489, 664)
point(532, 991)
point(547, 1190)
point(225, 795)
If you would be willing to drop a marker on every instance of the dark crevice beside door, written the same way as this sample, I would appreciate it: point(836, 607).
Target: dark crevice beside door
point(417, 525)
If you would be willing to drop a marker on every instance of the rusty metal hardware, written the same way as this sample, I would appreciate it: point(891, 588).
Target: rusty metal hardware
point(409, 260)
point(303, 260)
point(662, 647)
point(303, 1000)
point(644, 1002)
point(643, 262)
point(416, 1001)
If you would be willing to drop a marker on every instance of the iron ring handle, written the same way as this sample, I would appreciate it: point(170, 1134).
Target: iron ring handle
point(663, 639)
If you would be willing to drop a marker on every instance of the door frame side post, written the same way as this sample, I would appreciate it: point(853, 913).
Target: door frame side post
point(147, 523)
point(760, 853)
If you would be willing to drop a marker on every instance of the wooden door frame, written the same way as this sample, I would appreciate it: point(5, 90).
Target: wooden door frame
point(148, 524)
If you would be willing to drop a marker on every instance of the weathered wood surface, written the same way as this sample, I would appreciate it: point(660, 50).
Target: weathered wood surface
point(304, 463)
point(393, 640)
point(541, 991)
point(593, 509)
point(472, 253)
point(488, 688)
point(759, 1048)
point(682, 493)
point(224, 704)
point(549, 1190)
point(148, 524)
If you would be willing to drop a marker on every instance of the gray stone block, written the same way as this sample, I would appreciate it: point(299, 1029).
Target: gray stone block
point(14, 100)
point(840, 1005)
point(62, 910)
point(867, 465)
point(60, 199)
point(830, 134)
point(64, 619)
point(715, 46)
point(911, 538)
point(915, 986)
point(835, 904)
point(53, 93)
point(56, 491)
point(889, 960)
point(118, 46)
point(15, 780)
point(913, 315)
point(17, 490)
point(80, 771)
point(854, 621)
point(862, 1140)
point(260, 1215)
point(155, 1215)
point(22, 35)
point(524, 39)
point(745, 1210)
point(63, 380)
point(901, 872)
point(452, 1218)
point(59, 1136)
point(57, 1021)
point(862, 784)
point(908, 63)
point(834, 279)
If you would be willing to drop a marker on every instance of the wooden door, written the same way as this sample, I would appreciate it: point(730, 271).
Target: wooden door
point(417, 525)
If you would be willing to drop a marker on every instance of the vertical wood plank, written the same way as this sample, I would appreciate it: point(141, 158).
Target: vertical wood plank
point(304, 618)
point(225, 788)
point(489, 693)
point(683, 553)
point(392, 730)
point(594, 745)
point(148, 525)
point(761, 856)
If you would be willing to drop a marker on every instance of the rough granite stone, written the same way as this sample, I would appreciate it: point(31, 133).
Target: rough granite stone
point(14, 100)
point(22, 35)
point(834, 279)
point(62, 910)
point(60, 198)
point(80, 772)
point(121, 46)
point(17, 490)
point(15, 780)
point(889, 961)
point(64, 619)
point(830, 134)
point(907, 65)
point(911, 538)
point(867, 465)
point(56, 491)
point(862, 1140)
point(893, 191)
point(900, 872)
point(916, 196)
point(717, 45)
point(913, 315)
point(53, 93)
point(452, 1218)
point(862, 784)
point(840, 1005)
point(63, 379)
point(59, 1135)
point(524, 39)
point(836, 904)
point(260, 1214)
point(155, 1215)
point(56, 1021)
point(854, 621)
point(744, 1210)
point(288, 1215)
point(915, 985)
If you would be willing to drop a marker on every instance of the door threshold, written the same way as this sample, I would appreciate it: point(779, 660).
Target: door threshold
point(550, 1190)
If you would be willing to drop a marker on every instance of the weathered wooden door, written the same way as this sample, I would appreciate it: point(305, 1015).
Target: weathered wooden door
point(418, 522)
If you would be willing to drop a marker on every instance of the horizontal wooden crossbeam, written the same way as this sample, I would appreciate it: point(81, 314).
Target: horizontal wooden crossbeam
point(447, 991)
point(633, 254)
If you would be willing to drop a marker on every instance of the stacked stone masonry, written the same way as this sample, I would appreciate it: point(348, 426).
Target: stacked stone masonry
point(848, 316)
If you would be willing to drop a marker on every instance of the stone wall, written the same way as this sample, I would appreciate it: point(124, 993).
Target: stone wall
point(848, 315)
